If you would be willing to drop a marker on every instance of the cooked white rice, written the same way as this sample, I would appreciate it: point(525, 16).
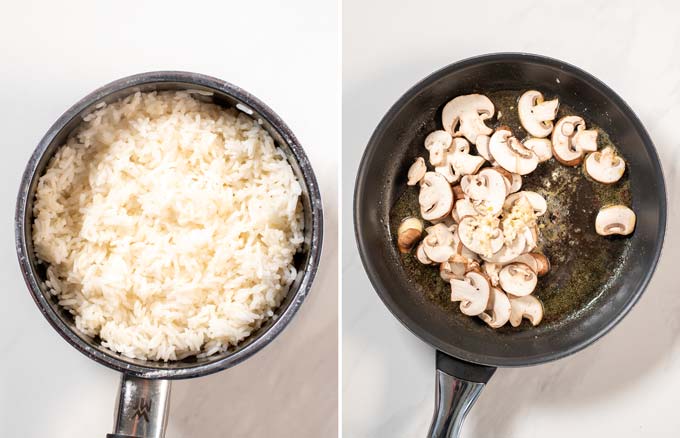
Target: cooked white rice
point(168, 226)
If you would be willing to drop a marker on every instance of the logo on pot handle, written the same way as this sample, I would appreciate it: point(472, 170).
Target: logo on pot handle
point(142, 409)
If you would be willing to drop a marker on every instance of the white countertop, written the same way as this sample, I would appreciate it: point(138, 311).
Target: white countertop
point(628, 383)
point(54, 53)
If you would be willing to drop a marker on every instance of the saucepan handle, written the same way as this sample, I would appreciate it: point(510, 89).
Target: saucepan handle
point(142, 408)
point(458, 386)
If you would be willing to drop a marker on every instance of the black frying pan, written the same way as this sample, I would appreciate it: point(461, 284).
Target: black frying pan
point(594, 281)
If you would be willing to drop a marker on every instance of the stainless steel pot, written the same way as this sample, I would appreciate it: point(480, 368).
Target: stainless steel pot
point(145, 385)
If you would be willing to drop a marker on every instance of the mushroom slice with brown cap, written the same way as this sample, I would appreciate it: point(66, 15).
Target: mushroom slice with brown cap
point(497, 309)
point(421, 256)
point(472, 292)
point(528, 307)
point(435, 198)
point(438, 143)
point(465, 116)
point(541, 147)
point(604, 166)
point(457, 192)
point(438, 244)
point(409, 232)
point(510, 153)
point(536, 114)
point(417, 171)
point(617, 219)
point(486, 190)
point(537, 201)
point(542, 262)
point(517, 279)
point(528, 260)
point(563, 147)
point(479, 236)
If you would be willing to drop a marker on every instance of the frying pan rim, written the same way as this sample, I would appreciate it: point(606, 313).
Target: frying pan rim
point(116, 362)
point(364, 251)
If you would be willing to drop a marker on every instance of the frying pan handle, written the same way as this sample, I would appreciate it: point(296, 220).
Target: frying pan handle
point(142, 408)
point(458, 386)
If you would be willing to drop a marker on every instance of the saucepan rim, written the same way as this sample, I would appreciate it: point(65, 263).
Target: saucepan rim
point(313, 236)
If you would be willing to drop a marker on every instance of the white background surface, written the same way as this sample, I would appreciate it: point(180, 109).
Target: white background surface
point(627, 384)
point(54, 53)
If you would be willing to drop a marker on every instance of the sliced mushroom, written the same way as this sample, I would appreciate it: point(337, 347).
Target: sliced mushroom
point(536, 114)
point(438, 143)
point(541, 147)
point(465, 255)
point(448, 171)
point(497, 309)
point(459, 162)
point(473, 293)
point(531, 238)
point(473, 265)
point(492, 270)
point(508, 252)
point(409, 233)
point(528, 260)
point(464, 163)
point(617, 219)
point(417, 171)
point(563, 147)
point(438, 244)
point(465, 116)
point(542, 263)
point(421, 256)
point(463, 208)
point(528, 307)
point(436, 197)
point(585, 140)
point(510, 153)
point(517, 279)
point(486, 190)
point(457, 192)
point(480, 237)
point(482, 145)
point(460, 146)
point(605, 166)
point(450, 270)
point(513, 181)
point(537, 201)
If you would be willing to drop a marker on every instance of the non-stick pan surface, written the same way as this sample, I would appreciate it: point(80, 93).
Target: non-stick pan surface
point(578, 310)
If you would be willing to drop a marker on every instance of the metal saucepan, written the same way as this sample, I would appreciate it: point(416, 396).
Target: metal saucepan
point(594, 281)
point(145, 385)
